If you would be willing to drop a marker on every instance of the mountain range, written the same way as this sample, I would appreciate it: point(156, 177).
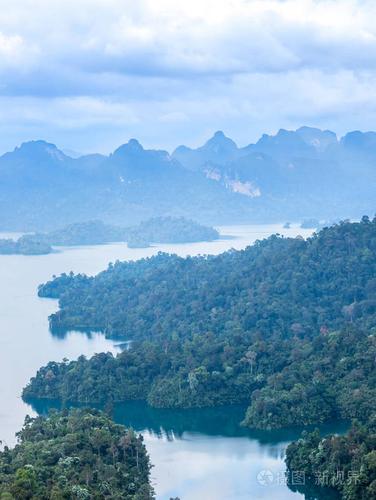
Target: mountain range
point(288, 176)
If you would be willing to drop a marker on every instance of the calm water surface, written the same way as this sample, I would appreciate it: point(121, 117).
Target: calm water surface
point(199, 454)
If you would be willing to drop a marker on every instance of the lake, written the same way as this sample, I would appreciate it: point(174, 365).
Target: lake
point(197, 454)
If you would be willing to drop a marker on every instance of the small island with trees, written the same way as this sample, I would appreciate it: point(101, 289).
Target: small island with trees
point(169, 230)
point(25, 245)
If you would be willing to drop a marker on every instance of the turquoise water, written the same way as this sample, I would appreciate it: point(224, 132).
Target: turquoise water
point(205, 453)
point(197, 454)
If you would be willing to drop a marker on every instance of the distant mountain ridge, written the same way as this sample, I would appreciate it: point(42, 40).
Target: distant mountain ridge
point(41, 188)
point(288, 176)
point(308, 167)
point(306, 141)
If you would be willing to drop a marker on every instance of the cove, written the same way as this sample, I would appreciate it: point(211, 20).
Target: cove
point(196, 453)
point(205, 453)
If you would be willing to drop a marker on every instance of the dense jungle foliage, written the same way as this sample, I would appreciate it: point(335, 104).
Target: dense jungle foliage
point(76, 454)
point(279, 286)
point(286, 325)
point(344, 463)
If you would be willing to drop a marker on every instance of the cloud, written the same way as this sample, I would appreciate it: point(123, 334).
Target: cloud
point(183, 39)
point(15, 55)
point(179, 68)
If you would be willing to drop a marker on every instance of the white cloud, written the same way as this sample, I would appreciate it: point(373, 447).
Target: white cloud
point(15, 54)
point(174, 70)
point(195, 37)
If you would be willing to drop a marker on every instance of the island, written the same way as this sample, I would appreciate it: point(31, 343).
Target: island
point(310, 224)
point(94, 232)
point(79, 453)
point(138, 241)
point(156, 230)
point(169, 230)
point(26, 245)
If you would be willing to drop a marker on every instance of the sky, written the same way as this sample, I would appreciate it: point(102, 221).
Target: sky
point(88, 75)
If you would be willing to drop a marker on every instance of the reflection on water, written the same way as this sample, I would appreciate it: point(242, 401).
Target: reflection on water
point(198, 454)
point(192, 449)
point(313, 492)
point(96, 340)
point(172, 424)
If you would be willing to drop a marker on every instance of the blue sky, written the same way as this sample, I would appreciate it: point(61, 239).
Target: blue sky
point(89, 74)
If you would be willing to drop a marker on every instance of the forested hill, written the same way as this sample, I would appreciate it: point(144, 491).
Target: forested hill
point(95, 232)
point(287, 326)
point(279, 286)
point(169, 230)
point(77, 454)
point(344, 463)
point(25, 245)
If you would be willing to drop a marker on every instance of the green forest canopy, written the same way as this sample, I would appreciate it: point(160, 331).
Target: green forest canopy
point(76, 454)
point(344, 463)
point(287, 326)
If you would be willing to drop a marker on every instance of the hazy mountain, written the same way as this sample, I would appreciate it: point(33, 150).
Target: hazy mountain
point(42, 188)
point(218, 150)
point(363, 143)
point(72, 153)
point(287, 176)
point(308, 169)
point(34, 162)
point(319, 139)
